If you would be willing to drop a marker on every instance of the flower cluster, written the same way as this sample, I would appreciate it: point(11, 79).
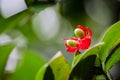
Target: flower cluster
point(81, 41)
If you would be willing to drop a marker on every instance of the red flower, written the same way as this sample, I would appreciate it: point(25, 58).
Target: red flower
point(82, 41)
point(86, 39)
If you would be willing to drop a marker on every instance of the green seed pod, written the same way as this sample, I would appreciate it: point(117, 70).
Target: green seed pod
point(79, 33)
point(71, 43)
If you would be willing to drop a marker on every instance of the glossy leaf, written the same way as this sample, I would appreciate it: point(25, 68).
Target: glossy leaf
point(5, 51)
point(110, 39)
point(27, 67)
point(113, 58)
point(60, 67)
point(57, 67)
point(45, 73)
point(82, 68)
point(11, 22)
point(93, 50)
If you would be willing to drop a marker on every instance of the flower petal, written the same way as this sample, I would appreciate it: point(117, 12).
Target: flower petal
point(81, 43)
point(85, 43)
point(89, 32)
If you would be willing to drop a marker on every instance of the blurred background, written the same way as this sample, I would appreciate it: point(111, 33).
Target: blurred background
point(37, 29)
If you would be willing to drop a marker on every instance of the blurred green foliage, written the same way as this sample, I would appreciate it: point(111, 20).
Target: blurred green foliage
point(27, 67)
point(38, 33)
point(5, 52)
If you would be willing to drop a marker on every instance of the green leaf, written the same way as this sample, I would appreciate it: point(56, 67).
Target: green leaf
point(113, 58)
point(60, 67)
point(27, 67)
point(82, 68)
point(76, 59)
point(9, 23)
point(5, 51)
point(45, 73)
point(110, 39)
point(57, 67)
point(100, 77)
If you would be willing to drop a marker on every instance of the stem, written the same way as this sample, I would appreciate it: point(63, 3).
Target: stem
point(107, 74)
point(77, 53)
point(75, 57)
